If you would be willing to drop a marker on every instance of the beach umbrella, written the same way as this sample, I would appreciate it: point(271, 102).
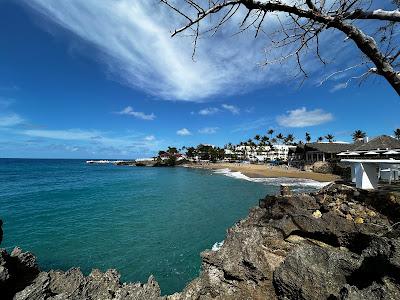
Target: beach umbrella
point(343, 153)
point(353, 154)
point(371, 153)
point(391, 152)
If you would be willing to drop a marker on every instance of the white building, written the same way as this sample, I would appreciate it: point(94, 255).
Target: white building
point(259, 153)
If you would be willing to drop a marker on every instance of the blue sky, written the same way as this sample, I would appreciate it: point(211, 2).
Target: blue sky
point(103, 79)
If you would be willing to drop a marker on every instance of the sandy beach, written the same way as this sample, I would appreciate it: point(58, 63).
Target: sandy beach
point(264, 171)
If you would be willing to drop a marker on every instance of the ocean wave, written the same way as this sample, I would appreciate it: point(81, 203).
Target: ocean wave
point(217, 246)
point(276, 181)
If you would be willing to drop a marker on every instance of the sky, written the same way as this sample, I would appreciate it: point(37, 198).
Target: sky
point(104, 79)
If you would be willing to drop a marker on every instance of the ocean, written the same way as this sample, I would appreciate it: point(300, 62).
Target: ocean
point(140, 221)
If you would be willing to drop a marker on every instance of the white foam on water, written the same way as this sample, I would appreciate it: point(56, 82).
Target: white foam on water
point(276, 181)
point(217, 246)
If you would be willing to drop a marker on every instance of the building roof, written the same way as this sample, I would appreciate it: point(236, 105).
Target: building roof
point(329, 147)
point(381, 142)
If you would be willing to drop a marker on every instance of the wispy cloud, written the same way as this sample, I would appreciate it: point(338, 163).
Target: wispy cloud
point(133, 39)
point(137, 114)
point(208, 130)
point(183, 132)
point(68, 135)
point(214, 110)
point(209, 111)
point(93, 137)
point(231, 108)
point(337, 87)
point(253, 124)
point(302, 118)
point(11, 120)
point(150, 138)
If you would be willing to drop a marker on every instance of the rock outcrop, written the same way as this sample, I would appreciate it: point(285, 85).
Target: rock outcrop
point(332, 244)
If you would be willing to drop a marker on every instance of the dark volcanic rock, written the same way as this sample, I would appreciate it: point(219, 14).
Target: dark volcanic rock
point(313, 272)
point(72, 285)
point(16, 271)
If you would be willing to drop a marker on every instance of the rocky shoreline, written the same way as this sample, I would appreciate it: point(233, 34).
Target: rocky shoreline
point(338, 243)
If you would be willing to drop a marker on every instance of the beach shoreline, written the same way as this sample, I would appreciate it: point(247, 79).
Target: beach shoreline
point(265, 171)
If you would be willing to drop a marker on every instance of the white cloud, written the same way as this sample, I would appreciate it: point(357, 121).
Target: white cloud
point(183, 132)
point(10, 120)
point(208, 130)
point(302, 118)
point(337, 87)
point(208, 111)
point(68, 135)
point(92, 137)
point(150, 138)
point(231, 108)
point(253, 124)
point(137, 114)
point(134, 41)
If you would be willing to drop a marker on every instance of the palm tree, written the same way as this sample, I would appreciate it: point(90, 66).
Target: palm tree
point(358, 135)
point(308, 137)
point(273, 141)
point(270, 132)
point(289, 138)
point(397, 133)
point(265, 138)
point(280, 137)
point(320, 139)
point(329, 137)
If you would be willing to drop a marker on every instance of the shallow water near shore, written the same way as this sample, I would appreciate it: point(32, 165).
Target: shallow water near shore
point(140, 221)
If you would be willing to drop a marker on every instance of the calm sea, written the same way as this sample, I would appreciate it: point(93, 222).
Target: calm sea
point(140, 221)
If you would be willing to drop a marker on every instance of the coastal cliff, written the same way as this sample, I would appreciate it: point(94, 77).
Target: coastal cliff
point(338, 243)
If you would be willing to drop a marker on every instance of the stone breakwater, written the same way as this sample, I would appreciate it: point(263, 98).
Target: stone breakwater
point(338, 243)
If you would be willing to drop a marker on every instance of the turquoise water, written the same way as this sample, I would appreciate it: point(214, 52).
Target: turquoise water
point(140, 221)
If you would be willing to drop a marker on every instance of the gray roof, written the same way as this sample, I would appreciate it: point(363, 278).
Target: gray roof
point(329, 147)
point(381, 142)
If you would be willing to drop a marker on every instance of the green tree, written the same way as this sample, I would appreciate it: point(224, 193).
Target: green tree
point(265, 139)
point(172, 150)
point(190, 152)
point(358, 134)
point(329, 137)
point(320, 139)
point(289, 138)
point(308, 137)
point(397, 133)
point(280, 137)
point(171, 161)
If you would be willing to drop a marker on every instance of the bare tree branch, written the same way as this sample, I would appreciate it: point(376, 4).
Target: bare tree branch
point(306, 21)
point(378, 14)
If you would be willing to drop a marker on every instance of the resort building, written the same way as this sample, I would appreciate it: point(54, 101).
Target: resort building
point(323, 151)
point(259, 153)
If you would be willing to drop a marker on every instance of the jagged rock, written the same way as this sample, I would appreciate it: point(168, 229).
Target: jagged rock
point(285, 190)
point(72, 285)
point(16, 271)
point(311, 272)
